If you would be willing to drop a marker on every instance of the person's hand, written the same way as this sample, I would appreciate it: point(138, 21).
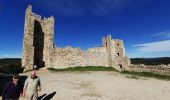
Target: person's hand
point(23, 95)
point(39, 89)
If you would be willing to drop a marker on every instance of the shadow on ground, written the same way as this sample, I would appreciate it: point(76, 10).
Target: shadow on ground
point(5, 78)
point(46, 97)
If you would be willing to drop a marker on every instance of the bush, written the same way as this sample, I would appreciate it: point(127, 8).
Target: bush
point(12, 65)
point(11, 69)
point(151, 61)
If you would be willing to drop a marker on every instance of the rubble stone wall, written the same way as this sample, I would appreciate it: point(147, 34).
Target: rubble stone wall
point(72, 57)
point(157, 69)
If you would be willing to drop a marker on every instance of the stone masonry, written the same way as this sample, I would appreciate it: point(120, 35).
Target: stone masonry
point(39, 48)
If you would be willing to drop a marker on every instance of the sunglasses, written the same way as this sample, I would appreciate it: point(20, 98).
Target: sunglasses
point(16, 77)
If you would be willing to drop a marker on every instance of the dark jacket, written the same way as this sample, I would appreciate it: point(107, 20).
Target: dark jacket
point(11, 91)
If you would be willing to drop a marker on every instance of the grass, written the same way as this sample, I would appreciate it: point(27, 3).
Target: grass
point(86, 68)
point(135, 75)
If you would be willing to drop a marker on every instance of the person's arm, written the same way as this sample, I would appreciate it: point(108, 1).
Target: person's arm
point(5, 91)
point(21, 89)
point(25, 87)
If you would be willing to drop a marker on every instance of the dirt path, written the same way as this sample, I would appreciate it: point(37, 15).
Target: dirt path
point(101, 86)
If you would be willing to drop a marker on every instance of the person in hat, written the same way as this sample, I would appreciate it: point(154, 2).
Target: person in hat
point(32, 86)
point(13, 89)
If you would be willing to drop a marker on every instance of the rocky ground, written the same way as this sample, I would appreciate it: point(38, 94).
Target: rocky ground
point(100, 86)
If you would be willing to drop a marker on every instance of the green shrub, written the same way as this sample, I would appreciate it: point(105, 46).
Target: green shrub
point(151, 61)
point(11, 69)
point(11, 65)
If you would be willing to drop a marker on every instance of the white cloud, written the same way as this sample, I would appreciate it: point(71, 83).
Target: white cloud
point(159, 46)
point(165, 34)
point(95, 7)
point(10, 56)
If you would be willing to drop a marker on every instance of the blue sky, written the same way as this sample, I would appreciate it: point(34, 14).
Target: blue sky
point(144, 25)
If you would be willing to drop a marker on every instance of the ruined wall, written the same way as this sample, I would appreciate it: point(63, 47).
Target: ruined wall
point(116, 53)
point(71, 57)
point(157, 69)
point(39, 49)
point(111, 54)
point(38, 40)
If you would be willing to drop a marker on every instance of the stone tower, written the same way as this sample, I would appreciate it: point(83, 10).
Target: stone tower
point(116, 53)
point(37, 41)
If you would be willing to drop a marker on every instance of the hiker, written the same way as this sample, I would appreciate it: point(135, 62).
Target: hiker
point(13, 89)
point(31, 87)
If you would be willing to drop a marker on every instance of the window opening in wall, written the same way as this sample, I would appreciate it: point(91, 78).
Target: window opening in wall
point(120, 66)
point(118, 54)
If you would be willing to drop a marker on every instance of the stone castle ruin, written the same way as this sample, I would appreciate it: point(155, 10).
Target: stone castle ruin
point(39, 48)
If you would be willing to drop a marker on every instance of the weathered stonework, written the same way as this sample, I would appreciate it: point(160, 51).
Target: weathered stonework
point(39, 49)
point(38, 40)
point(156, 69)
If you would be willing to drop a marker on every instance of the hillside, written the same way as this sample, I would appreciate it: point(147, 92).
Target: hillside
point(10, 65)
point(151, 61)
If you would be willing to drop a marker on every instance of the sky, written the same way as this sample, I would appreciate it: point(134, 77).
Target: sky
point(143, 25)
